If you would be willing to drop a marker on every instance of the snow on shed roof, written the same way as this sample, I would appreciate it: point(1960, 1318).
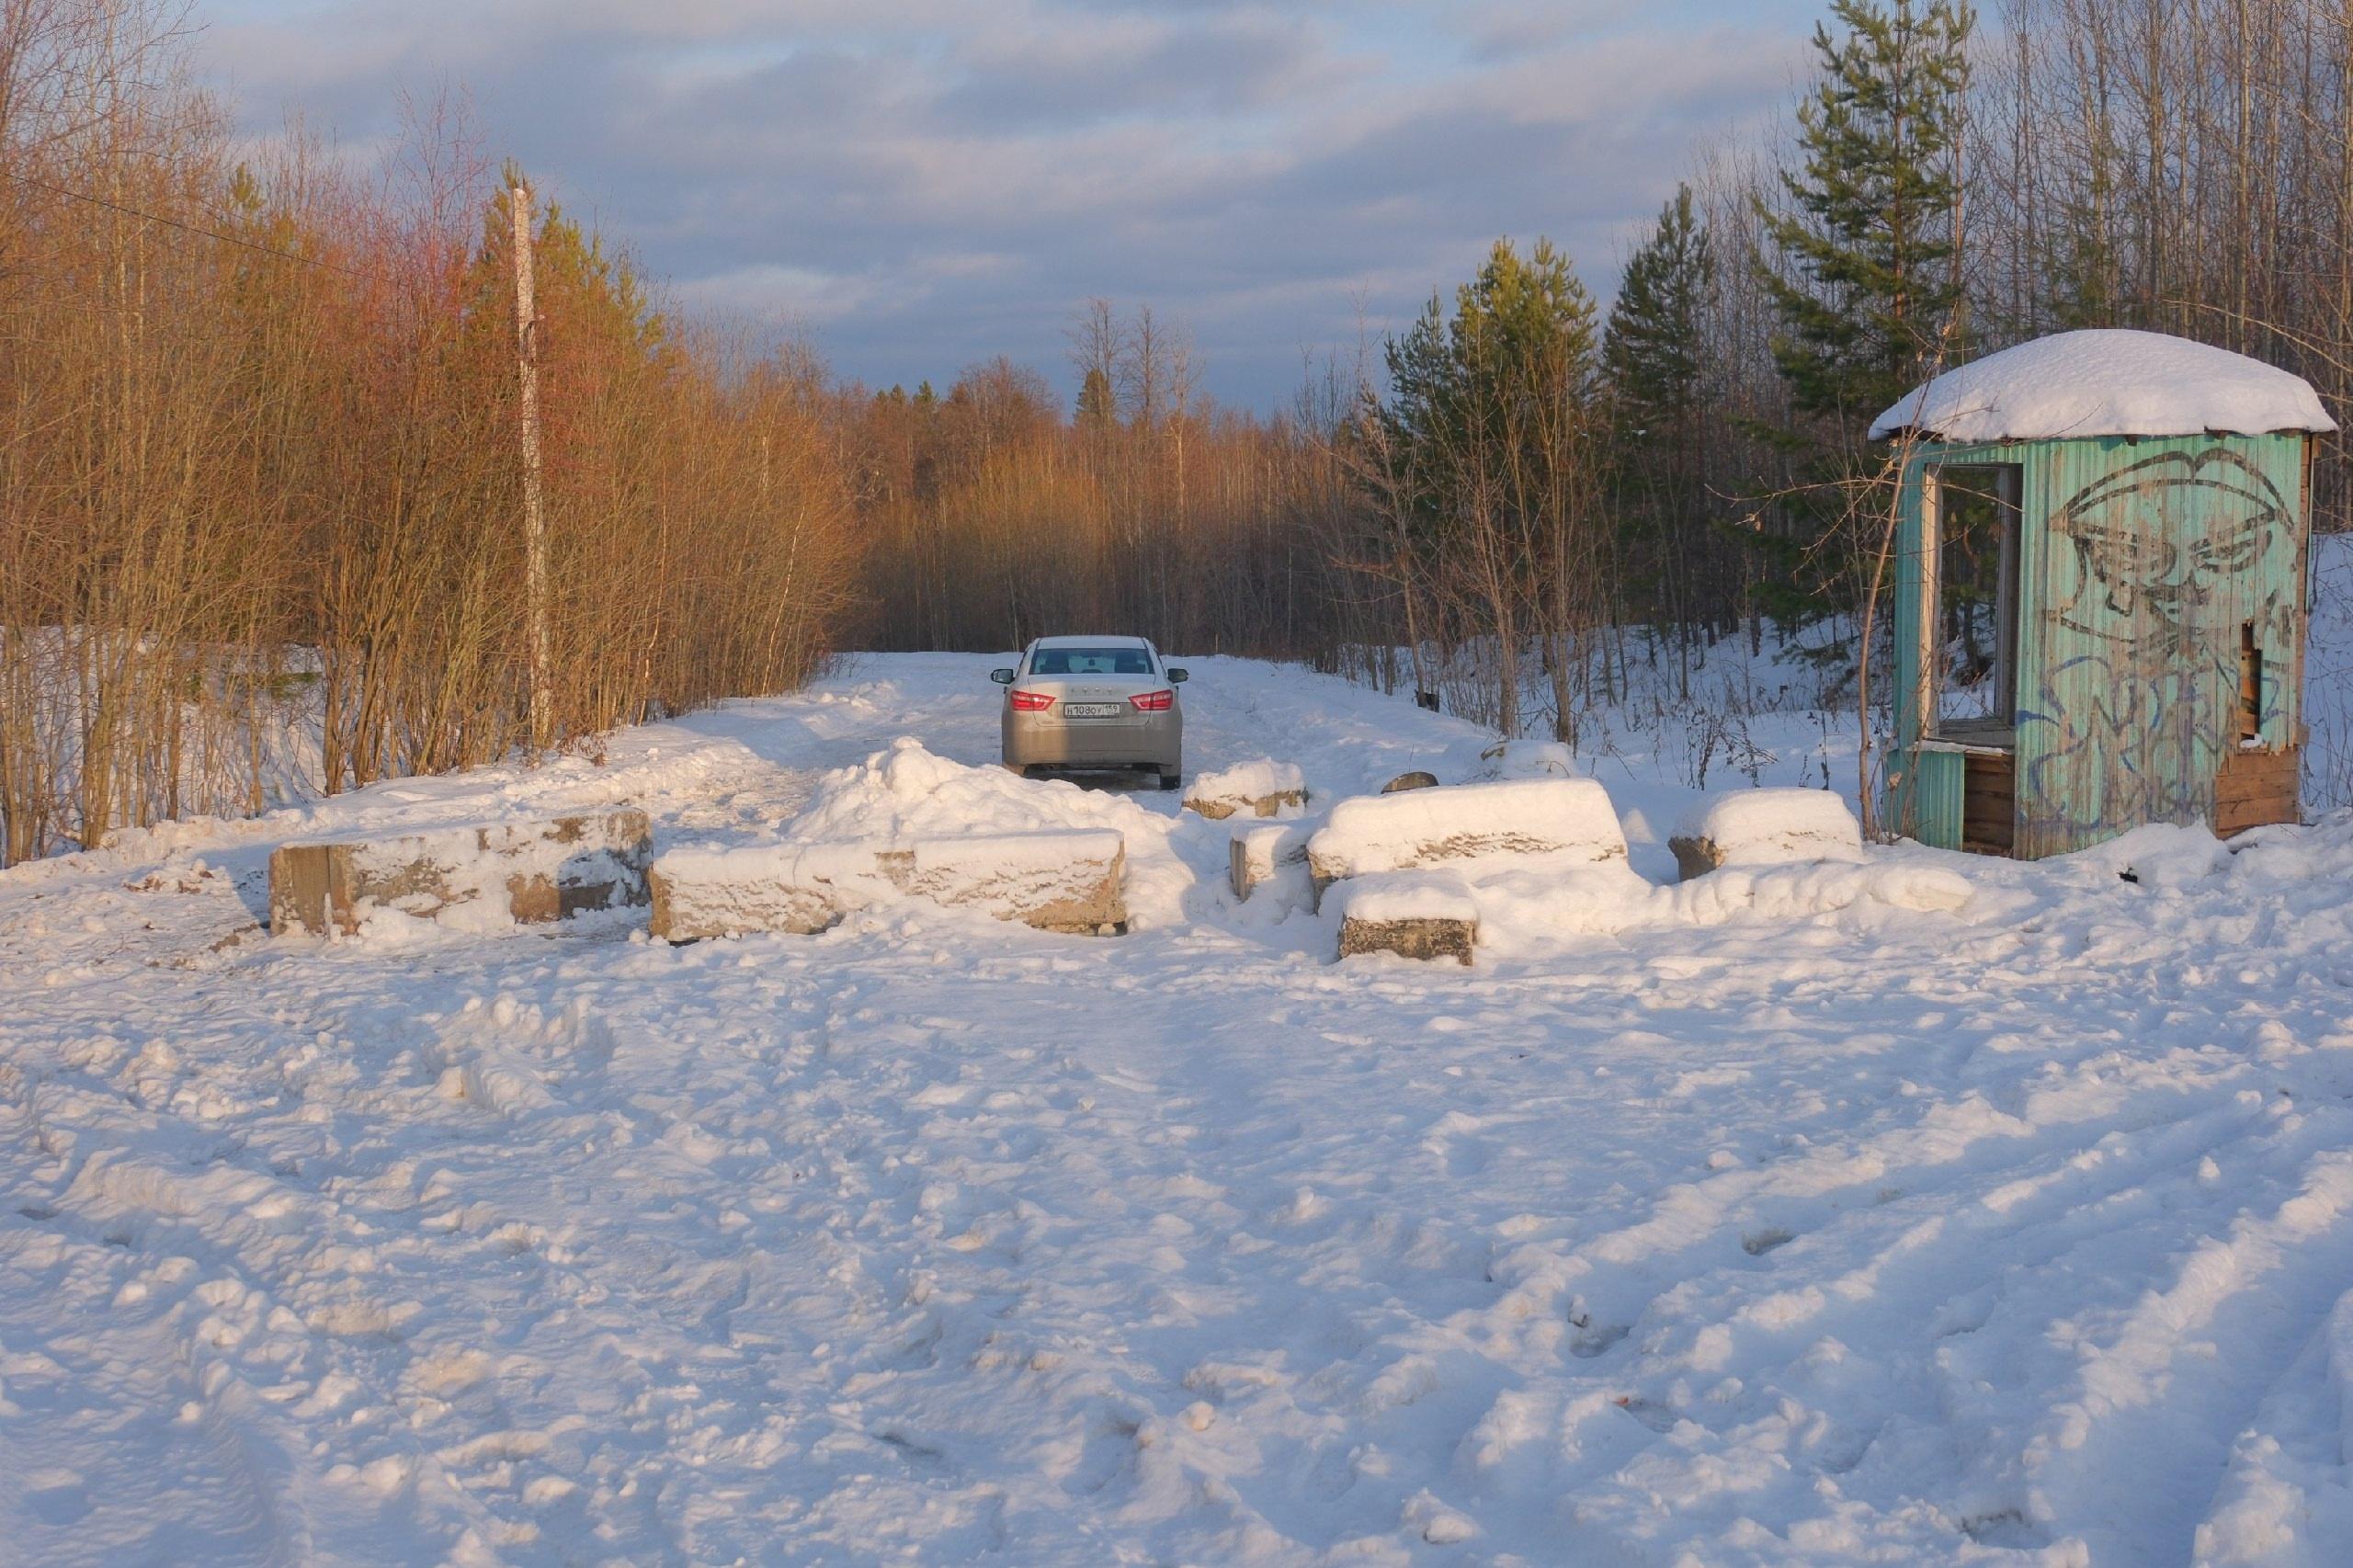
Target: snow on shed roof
point(2106, 382)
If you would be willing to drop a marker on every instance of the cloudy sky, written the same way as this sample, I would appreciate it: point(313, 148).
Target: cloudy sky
point(920, 184)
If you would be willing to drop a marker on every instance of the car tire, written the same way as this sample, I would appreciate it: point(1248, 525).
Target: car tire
point(1171, 781)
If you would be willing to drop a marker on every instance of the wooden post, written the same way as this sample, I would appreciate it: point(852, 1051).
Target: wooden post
point(535, 523)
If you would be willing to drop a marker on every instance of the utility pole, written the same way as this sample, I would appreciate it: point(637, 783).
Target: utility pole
point(535, 522)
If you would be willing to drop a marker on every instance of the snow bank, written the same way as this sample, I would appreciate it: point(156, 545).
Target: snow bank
point(1569, 818)
point(2106, 382)
point(1540, 911)
point(1262, 787)
point(1765, 827)
point(1067, 880)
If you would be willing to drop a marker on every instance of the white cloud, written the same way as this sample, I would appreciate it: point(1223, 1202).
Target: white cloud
point(933, 181)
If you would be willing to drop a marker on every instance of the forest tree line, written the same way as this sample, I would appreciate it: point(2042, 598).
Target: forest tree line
point(260, 457)
point(1520, 479)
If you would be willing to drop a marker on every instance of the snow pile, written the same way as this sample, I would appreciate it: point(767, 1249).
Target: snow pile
point(2158, 855)
point(1546, 909)
point(1566, 818)
point(1766, 827)
point(908, 793)
point(1528, 760)
point(2107, 382)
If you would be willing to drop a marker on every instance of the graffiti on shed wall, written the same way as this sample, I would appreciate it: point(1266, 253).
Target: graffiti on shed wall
point(2133, 714)
point(2156, 536)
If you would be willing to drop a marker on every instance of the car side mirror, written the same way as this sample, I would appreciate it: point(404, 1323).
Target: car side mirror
point(1003, 677)
point(1176, 676)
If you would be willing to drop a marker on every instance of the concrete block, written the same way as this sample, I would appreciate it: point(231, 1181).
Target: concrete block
point(1070, 882)
point(1261, 789)
point(1258, 852)
point(500, 874)
point(1416, 915)
point(1566, 817)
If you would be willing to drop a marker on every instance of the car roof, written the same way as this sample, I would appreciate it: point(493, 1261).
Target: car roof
point(1090, 643)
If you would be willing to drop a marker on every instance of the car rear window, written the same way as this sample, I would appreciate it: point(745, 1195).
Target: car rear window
point(1090, 661)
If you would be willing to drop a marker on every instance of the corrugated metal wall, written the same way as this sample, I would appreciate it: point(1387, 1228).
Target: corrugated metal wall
point(2149, 558)
point(2140, 564)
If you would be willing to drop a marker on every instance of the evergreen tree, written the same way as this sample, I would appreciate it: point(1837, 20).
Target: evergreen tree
point(1097, 407)
point(1484, 432)
point(1868, 230)
point(1650, 354)
point(1651, 362)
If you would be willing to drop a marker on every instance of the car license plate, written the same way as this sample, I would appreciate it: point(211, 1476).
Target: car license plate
point(1090, 710)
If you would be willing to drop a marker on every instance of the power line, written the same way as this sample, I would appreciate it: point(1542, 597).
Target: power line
point(168, 222)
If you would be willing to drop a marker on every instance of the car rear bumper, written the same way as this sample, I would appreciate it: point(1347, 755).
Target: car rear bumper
point(1048, 740)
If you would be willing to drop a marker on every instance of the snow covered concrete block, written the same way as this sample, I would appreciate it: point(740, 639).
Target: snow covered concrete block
point(497, 874)
point(1766, 827)
point(1262, 851)
point(1413, 916)
point(1565, 817)
point(1262, 789)
point(702, 893)
point(1072, 882)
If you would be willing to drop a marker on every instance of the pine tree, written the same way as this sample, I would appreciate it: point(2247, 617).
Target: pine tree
point(1650, 355)
point(1650, 362)
point(1483, 431)
point(1868, 235)
point(1097, 407)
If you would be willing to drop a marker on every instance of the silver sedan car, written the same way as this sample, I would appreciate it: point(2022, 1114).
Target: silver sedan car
point(1094, 702)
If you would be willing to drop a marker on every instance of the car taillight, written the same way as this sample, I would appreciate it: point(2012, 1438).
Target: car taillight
point(1031, 701)
point(1153, 702)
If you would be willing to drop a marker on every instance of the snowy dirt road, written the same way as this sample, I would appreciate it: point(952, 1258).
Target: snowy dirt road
point(2020, 1234)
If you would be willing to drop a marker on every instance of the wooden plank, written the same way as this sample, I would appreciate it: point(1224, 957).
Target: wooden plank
point(1989, 804)
point(2252, 788)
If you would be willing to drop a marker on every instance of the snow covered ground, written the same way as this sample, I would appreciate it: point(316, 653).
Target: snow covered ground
point(2016, 1233)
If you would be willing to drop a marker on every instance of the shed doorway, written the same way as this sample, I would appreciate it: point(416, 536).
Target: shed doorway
point(1970, 650)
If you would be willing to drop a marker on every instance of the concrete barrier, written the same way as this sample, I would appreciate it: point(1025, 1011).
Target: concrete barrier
point(1367, 834)
point(1765, 827)
point(501, 873)
point(1260, 851)
point(1411, 916)
point(1069, 881)
point(1261, 789)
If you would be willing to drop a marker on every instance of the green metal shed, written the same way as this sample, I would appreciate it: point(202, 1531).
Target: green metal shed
point(2099, 594)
